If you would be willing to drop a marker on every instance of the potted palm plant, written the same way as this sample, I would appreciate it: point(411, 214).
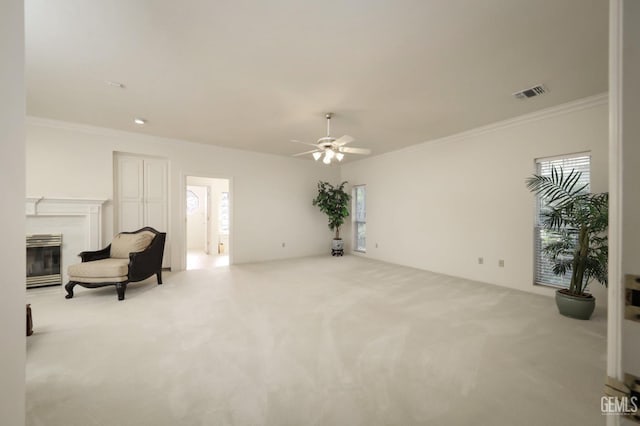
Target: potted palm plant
point(334, 202)
point(578, 221)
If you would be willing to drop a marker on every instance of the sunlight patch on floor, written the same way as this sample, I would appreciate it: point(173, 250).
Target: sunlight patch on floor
point(197, 259)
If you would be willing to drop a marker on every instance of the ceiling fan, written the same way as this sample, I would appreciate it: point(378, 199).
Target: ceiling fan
point(331, 147)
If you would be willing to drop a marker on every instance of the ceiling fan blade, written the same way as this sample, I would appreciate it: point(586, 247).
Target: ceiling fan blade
point(306, 152)
point(343, 140)
point(347, 150)
point(304, 143)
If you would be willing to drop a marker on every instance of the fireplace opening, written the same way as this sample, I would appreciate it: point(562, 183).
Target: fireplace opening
point(43, 260)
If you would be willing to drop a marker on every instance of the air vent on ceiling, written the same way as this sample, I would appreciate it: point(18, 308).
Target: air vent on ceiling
point(538, 90)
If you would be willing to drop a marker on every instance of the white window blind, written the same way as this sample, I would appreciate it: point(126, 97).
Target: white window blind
point(223, 213)
point(544, 267)
point(360, 218)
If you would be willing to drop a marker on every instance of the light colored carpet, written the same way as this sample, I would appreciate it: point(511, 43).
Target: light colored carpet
point(312, 341)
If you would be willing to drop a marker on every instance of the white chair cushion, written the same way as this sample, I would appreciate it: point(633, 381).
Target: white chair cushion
point(123, 244)
point(104, 269)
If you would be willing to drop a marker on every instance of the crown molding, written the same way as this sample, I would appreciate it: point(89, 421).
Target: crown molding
point(93, 130)
point(558, 110)
point(129, 135)
point(555, 111)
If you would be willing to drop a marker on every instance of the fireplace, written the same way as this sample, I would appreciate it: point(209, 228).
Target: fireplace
point(43, 260)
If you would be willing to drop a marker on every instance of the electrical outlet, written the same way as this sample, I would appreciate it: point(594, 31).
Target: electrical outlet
point(376, 245)
point(501, 263)
point(480, 260)
point(283, 245)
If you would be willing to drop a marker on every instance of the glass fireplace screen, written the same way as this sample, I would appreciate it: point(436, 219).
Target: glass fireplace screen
point(43, 260)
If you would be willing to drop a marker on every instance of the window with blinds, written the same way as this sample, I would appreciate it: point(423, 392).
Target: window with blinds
point(360, 219)
point(223, 213)
point(544, 267)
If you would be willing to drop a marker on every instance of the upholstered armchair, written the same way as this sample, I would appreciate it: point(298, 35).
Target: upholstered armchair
point(131, 257)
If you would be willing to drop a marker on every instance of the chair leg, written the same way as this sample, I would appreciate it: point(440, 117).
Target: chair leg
point(69, 287)
point(121, 288)
point(159, 275)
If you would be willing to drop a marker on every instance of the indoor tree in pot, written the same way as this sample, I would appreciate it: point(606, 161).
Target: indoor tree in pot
point(578, 222)
point(334, 202)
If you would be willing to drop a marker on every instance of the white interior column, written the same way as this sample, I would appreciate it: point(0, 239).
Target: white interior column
point(616, 291)
point(630, 139)
point(623, 354)
point(12, 218)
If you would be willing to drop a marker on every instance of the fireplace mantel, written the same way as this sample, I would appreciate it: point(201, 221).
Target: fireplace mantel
point(90, 208)
point(65, 206)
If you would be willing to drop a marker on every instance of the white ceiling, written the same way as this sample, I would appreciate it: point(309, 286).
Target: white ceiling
point(253, 74)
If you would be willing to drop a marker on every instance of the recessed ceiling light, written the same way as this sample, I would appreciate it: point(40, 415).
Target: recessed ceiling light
point(114, 84)
point(140, 121)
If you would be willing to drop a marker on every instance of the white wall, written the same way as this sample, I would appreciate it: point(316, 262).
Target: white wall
point(442, 204)
point(12, 214)
point(271, 201)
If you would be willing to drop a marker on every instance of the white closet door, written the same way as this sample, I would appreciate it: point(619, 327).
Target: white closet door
point(130, 193)
point(142, 198)
point(155, 194)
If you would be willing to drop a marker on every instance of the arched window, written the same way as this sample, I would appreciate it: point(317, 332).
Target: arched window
point(193, 202)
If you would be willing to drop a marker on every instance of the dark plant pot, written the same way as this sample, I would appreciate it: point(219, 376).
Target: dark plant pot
point(578, 307)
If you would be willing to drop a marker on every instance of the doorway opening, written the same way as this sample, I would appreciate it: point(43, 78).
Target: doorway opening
point(208, 212)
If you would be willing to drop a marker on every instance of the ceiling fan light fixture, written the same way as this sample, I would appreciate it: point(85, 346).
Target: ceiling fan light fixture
point(329, 153)
point(339, 156)
point(317, 155)
point(326, 159)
